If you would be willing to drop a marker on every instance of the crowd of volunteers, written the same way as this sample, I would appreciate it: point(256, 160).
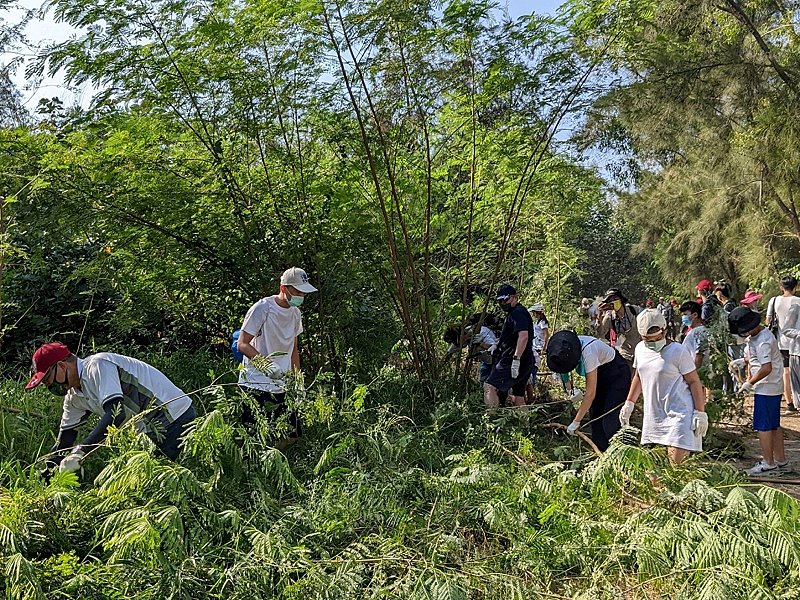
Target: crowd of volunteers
point(623, 353)
point(654, 352)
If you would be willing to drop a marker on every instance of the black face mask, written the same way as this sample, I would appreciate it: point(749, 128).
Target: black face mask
point(58, 388)
point(506, 307)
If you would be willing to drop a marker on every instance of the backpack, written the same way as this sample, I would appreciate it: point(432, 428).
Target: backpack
point(235, 346)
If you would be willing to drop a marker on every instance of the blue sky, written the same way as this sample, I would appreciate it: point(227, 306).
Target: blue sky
point(46, 30)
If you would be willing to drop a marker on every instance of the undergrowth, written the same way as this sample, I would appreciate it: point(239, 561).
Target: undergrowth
point(387, 495)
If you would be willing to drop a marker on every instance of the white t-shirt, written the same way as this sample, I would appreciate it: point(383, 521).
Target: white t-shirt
point(780, 305)
point(595, 353)
point(274, 329)
point(695, 339)
point(538, 334)
point(763, 348)
point(668, 404)
point(104, 376)
point(484, 336)
point(791, 329)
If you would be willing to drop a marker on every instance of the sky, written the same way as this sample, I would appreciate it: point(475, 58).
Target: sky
point(45, 30)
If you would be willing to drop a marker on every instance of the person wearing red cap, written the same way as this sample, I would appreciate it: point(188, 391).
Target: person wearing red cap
point(115, 387)
point(709, 301)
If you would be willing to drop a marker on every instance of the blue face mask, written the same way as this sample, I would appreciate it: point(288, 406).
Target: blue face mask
point(295, 300)
point(686, 320)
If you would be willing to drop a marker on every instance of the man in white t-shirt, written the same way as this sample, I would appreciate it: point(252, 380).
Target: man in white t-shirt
point(765, 380)
point(115, 387)
point(778, 313)
point(268, 341)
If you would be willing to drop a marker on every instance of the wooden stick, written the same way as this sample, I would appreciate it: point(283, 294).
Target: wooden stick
point(19, 411)
point(773, 480)
point(579, 433)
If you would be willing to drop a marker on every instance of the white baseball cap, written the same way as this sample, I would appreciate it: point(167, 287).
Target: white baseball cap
point(297, 278)
point(538, 307)
point(649, 318)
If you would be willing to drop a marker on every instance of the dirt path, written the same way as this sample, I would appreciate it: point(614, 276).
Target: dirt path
point(743, 430)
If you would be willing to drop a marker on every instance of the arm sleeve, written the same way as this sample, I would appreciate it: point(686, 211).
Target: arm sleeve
point(73, 413)
point(113, 414)
point(591, 360)
point(791, 330)
point(66, 439)
point(685, 361)
point(520, 322)
point(100, 381)
point(764, 353)
point(605, 326)
point(706, 312)
point(255, 318)
point(770, 309)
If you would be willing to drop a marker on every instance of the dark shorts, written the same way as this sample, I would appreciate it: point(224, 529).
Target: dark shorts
point(766, 412)
point(276, 405)
point(501, 379)
point(785, 355)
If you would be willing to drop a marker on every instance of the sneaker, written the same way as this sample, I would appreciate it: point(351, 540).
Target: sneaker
point(789, 411)
point(761, 468)
point(782, 464)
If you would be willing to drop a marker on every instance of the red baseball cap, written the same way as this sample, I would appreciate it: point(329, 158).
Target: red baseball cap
point(43, 360)
point(704, 284)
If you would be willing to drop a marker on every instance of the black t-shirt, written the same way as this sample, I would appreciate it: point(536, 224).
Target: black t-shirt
point(708, 308)
point(518, 319)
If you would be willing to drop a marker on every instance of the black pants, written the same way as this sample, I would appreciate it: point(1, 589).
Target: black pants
point(280, 408)
point(613, 384)
point(168, 439)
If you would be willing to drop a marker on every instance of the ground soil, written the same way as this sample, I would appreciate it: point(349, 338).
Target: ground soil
point(741, 430)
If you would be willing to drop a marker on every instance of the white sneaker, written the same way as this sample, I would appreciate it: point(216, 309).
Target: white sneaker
point(761, 468)
point(782, 465)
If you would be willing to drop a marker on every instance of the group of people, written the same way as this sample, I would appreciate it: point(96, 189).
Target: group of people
point(634, 352)
point(637, 352)
point(120, 389)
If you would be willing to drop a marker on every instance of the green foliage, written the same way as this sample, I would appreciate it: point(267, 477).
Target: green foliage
point(374, 503)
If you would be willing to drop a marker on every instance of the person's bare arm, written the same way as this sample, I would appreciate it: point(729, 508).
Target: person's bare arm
point(296, 356)
point(696, 387)
point(522, 343)
point(588, 395)
point(763, 372)
point(636, 388)
point(244, 344)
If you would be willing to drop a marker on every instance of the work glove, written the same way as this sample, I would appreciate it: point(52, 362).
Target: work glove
point(576, 395)
point(266, 366)
point(700, 423)
point(491, 348)
point(625, 413)
point(746, 388)
point(573, 427)
point(72, 462)
point(736, 364)
point(515, 368)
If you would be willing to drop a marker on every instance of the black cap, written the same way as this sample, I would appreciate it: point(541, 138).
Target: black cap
point(504, 291)
point(563, 351)
point(614, 292)
point(743, 320)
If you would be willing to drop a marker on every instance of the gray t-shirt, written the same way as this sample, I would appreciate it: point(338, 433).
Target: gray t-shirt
point(780, 305)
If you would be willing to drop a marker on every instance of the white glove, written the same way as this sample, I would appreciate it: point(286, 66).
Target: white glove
point(746, 388)
point(515, 368)
point(625, 413)
point(266, 366)
point(72, 462)
point(700, 423)
point(573, 427)
point(576, 395)
point(491, 348)
point(737, 364)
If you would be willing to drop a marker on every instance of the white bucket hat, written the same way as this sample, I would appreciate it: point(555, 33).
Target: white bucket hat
point(538, 307)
